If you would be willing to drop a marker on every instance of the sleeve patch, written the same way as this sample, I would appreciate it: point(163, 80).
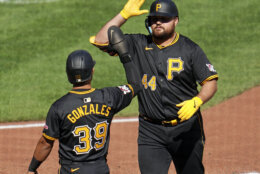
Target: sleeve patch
point(211, 67)
point(46, 127)
point(125, 89)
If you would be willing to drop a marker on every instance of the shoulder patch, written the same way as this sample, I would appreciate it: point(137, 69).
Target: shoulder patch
point(211, 68)
point(125, 89)
point(46, 127)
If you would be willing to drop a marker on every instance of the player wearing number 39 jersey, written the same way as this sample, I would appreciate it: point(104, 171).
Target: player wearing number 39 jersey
point(81, 119)
point(171, 66)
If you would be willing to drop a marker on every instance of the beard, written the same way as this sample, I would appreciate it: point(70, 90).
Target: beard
point(161, 34)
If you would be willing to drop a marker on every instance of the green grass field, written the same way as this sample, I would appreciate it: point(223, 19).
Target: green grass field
point(35, 39)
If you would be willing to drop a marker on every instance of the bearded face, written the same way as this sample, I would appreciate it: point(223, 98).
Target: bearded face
point(163, 27)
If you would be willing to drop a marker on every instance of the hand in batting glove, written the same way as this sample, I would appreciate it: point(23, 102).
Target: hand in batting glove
point(132, 8)
point(188, 108)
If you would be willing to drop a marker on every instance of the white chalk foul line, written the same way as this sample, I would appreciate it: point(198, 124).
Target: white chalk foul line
point(121, 120)
point(22, 126)
point(125, 120)
point(26, 1)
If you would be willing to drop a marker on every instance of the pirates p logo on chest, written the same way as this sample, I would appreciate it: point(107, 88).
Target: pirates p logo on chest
point(174, 65)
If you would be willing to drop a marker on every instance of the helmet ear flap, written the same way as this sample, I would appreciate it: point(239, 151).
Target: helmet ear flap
point(148, 25)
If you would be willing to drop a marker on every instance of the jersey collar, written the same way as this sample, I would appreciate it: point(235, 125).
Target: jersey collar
point(82, 91)
point(173, 42)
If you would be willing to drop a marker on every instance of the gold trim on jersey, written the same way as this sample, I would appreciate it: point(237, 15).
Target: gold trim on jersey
point(209, 78)
point(48, 137)
point(173, 42)
point(130, 86)
point(59, 168)
point(83, 92)
point(92, 41)
point(102, 46)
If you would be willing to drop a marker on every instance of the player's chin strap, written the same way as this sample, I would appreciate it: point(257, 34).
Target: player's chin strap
point(118, 43)
point(147, 25)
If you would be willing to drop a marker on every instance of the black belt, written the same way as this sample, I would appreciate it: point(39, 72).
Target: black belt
point(165, 123)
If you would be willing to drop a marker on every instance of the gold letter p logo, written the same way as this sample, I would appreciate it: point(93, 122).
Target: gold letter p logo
point(158, 6)
point(174, 65)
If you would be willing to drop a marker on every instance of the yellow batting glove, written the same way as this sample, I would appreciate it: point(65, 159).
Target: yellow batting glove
point(132, 8)
point(188, 108)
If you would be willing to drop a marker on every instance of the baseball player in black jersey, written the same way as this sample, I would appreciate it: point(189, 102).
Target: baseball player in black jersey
point(81, 119)
point(171, 66)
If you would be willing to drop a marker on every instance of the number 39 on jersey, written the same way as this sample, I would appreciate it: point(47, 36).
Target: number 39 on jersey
point(85, 138)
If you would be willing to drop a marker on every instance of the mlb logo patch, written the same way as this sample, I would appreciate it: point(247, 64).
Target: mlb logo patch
point(125, 89)
point(87, 100)
point(211, 68)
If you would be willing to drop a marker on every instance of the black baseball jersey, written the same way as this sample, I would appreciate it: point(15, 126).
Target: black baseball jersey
point(81, 121)
point(169, 74)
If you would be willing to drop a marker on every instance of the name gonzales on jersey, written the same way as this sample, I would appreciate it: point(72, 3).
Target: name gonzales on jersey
point(86, 110)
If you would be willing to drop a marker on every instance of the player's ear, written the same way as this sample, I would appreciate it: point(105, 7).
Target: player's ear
point(176, 20)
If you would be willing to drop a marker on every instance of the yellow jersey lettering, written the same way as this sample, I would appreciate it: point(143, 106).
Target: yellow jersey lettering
point(97, 109)
point(83, 111)
point(86, 111)
point(75, 114)
point(152, 83)
point(144, 81)
point(108, 111)
point(91, 109)
point(103, 109)
point(71, 118)
point(80, 111)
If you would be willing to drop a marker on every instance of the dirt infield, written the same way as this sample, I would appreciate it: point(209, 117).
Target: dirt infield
point(232, 142)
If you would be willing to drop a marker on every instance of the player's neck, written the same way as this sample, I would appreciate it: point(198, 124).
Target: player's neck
point(86, 86)
point(165, 42)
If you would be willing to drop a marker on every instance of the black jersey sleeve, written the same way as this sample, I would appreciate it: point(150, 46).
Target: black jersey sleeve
point(103, 47)
point(133, 77)
point(118, 42)
point(52, 126)
point(120, 96)
point(132, 41)
point(203, 70)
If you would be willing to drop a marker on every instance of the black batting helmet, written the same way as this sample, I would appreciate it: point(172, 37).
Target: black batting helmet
point(163, 8)
point(79, 66)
